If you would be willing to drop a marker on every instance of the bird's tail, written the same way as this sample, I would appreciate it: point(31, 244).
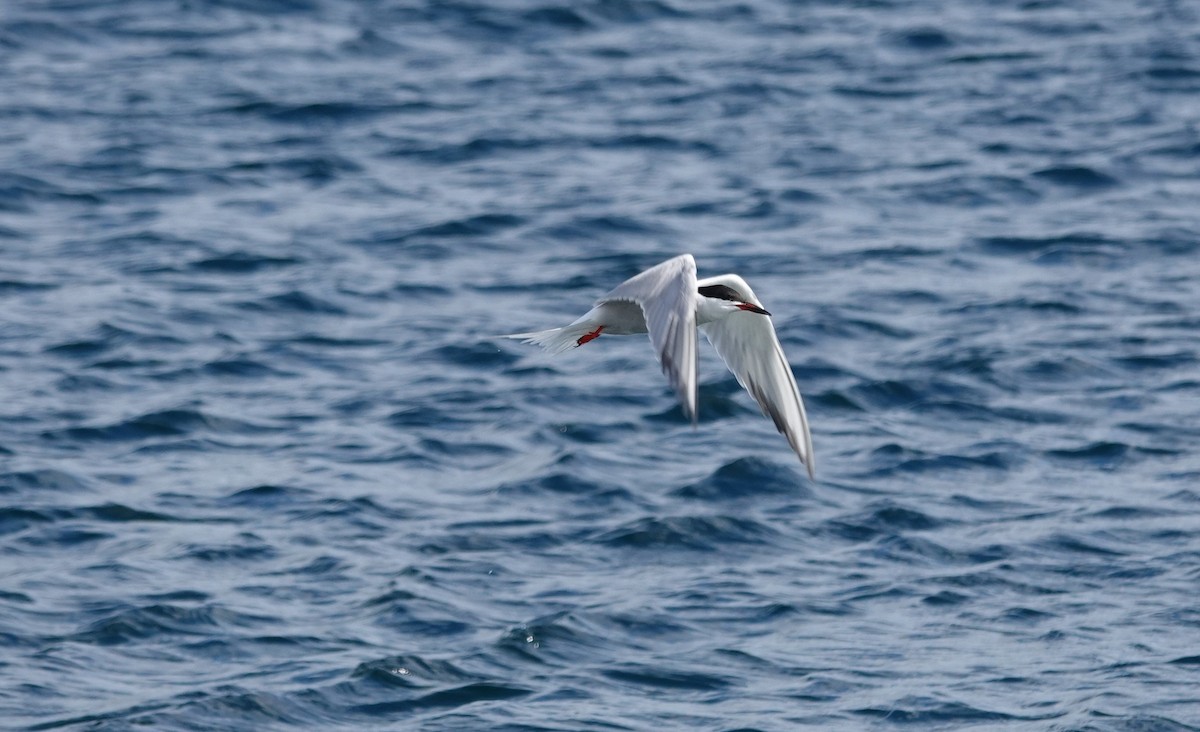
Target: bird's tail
point(555, 340)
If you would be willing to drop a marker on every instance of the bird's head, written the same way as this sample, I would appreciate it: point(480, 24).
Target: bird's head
point(726, 299)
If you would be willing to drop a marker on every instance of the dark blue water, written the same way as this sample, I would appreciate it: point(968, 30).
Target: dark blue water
point(262, 466)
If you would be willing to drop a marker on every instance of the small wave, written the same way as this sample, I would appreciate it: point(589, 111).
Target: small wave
point(886, 394)
point(314, 112)
point(480, 691)
point(438, 241)
point(656, 143)
point(65, 536)
point(18, 191)
point(418, 615)
point(882, 519)
point(596, 228)
point(478, 148)
point(925, 38)
point(1126, 513)
point(224, 368)
point(20, 287)
point(557, 17)
point(1173, 78)
point(482, 225)
point(240, 262)
point(480, 355)
point(1074, 242)
point(8, 232)
point(914, 550)
point(1040, 305)
point(166, 423)
point(883, 89)
point(426, 417)
point(1078, 177)
point(485, 536)
point(246, 368)
point(715, 401)
point(1003, 57)
point(833, 401)
point(745, 478)
point(466, 452)
point(15, 520)
point(332, 342)
point(483, 21)
point(40, 481)
point(1104, 455)
point(966, 191)
point(928, 711)
point(945, 598)
point(29, 34)
point(362, 513)
point(317, 170)
point(160, 621)
point(1154, 362)
point(106, 337)
point(1025, 616)
point(1173, 72)
point(291, 303)
point(891, 459)
point(841, 326)
point(267, 496)
point(422, 290)
point(228, 706)
point(411, 672)
point(563, 638)
point(696, 533)
point(120, 513)
point(399, 685)
point(73, 383)
point(372, 43)
point(658, 677)
point(249, 548)
point(557, 483)
point(1074, 545)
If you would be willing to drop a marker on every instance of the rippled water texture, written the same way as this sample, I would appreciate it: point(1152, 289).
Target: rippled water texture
point(262, 465)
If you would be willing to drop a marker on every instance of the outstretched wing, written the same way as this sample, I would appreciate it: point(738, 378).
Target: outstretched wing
point(750, 348)
point(667, 295)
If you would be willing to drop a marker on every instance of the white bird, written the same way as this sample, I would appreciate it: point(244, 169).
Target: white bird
point(669, 303)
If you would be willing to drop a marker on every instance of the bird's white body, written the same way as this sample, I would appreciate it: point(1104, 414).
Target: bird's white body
point(669, 303)
point(621, 317)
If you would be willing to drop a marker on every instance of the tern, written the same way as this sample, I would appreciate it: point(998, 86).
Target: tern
point(669, 303)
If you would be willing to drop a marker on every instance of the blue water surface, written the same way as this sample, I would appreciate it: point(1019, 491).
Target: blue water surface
point(264, 467)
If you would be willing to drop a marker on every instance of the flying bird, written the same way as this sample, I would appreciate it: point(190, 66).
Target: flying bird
point(669, 303)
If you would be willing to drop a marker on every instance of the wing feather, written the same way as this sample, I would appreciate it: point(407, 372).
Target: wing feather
point(750, 348)
point(667, 295)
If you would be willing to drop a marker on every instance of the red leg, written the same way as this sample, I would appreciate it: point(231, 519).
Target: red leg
point(589, 337)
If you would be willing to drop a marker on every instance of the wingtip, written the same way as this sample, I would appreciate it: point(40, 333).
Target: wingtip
point(807, 461)
point(689, 412)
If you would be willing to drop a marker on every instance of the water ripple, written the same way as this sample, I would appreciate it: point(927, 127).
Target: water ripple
point(260, 446)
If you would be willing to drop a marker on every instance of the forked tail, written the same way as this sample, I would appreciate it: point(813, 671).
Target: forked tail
point(557, 340)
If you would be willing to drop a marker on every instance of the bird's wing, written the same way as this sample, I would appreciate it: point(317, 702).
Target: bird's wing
point(750, 348)
point(667, 295)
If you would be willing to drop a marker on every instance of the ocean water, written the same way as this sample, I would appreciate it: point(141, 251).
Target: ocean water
point(264, 467)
